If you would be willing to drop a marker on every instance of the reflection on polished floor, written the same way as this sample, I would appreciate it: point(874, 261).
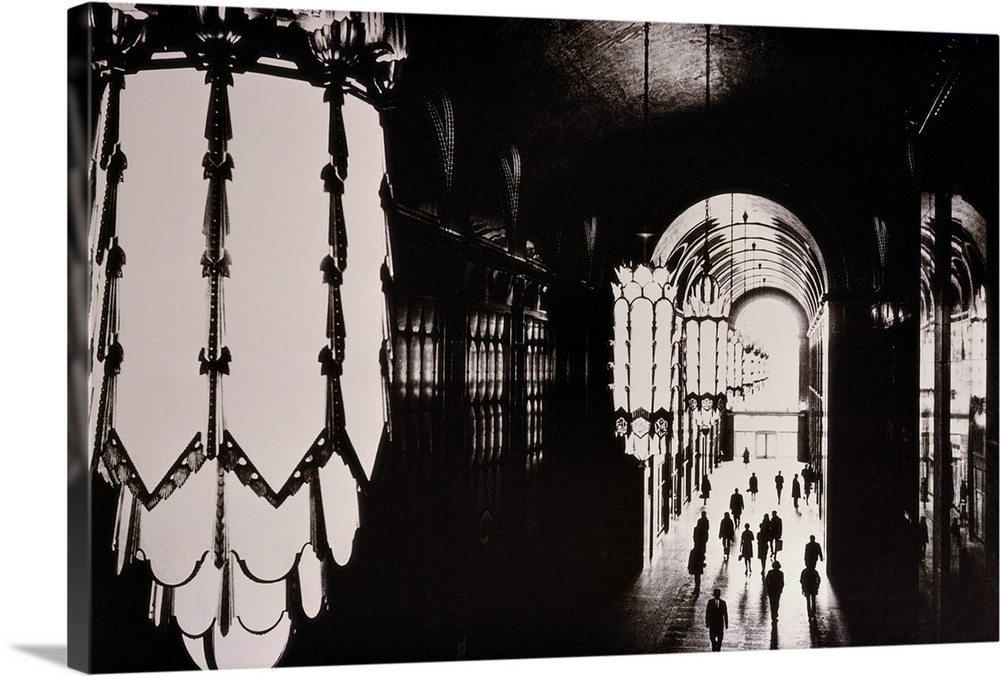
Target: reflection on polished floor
point(660, 612)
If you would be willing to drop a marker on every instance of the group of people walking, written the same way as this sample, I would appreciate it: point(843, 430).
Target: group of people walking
point(768, 541)
point(800, 488)
point(717, 612)
point(763, 545)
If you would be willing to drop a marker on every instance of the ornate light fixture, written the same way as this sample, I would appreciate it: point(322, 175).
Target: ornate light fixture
point(706, 314)
point(645, 333)
point(202, 586)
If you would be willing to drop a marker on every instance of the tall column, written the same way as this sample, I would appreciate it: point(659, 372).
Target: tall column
point(991, 518)
point(942, 411)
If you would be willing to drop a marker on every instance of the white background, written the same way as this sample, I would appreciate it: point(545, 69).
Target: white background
point(33, 236)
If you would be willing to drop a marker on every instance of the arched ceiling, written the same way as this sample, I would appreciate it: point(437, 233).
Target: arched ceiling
point(752, 243)
point(571, 97)
point(968, 255)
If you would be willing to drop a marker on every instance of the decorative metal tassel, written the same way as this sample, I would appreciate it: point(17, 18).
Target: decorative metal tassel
point(109, 307)
point(218, 166)
point(105, 407)
point(332, 356)
point(317, 531)
point(161, 603)
point(126, 540)
point(317, 517)
point(113, 162)
point(226, 600)
point(334, 174)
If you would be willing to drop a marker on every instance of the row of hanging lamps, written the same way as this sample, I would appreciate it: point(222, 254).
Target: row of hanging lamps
point(644, 338)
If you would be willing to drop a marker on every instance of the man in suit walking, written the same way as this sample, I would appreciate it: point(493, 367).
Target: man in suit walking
point(777, 528)
point(814, 552)
point(809, 579)
point(736, 506)
point(716, 619)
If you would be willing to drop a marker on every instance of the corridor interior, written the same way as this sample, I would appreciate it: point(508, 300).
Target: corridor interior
point(660, 611)
point(475, 432)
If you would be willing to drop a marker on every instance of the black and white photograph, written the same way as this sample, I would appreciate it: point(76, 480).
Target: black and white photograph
point(406, 336)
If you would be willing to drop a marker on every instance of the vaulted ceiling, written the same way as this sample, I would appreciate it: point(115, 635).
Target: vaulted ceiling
point(629, 124)
point(837, 126)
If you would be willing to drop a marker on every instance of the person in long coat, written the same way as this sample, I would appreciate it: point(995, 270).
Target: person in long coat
point(701, 528)
point(777, 528)
point(809, 579)
point(716, 619)
point(746, 457)
point(813, 553)
point(706, 489)
point(765, 528)
point(779, 483)
point(752, 487)
point(746, 548)
point(762, 539)
point(727, 533)
point(736, 506)
point(774, 583)
point(696, 566)
point(807, 482)
point(796, 491)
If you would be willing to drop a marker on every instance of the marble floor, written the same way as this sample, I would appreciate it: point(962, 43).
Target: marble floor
point(660, 611)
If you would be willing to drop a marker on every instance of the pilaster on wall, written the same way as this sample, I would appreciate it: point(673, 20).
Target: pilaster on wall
point(992, 473)
point(869, 537)
point(942, 410)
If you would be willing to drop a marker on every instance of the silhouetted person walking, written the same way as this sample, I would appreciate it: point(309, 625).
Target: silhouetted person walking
point(727, 533)
point(765, 527)
point(762, 537)
point(752, 487)
point(746, 457)
point(809, 579)
point(736, 506)
point(746, 548)
point(814, 552)
point(774, 582)
point(796, 491)
point(807, 481)
point(696, 566)
point(777, 530)
point(701, 529)
point(779, 483)
point(706, 489)
point(716, 619)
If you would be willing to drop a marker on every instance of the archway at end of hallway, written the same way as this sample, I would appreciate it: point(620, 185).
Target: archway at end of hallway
point(726, 264)
point(766, 422)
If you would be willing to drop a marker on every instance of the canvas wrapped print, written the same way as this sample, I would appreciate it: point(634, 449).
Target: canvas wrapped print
point(413, 337)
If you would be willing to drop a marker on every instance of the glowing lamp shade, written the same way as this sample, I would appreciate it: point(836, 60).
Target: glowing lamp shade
point(644, 351)
point(706, 326)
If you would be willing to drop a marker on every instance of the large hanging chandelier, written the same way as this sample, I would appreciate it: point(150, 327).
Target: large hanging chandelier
point(645, 334)
point(706, 327)
point(235, 601)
